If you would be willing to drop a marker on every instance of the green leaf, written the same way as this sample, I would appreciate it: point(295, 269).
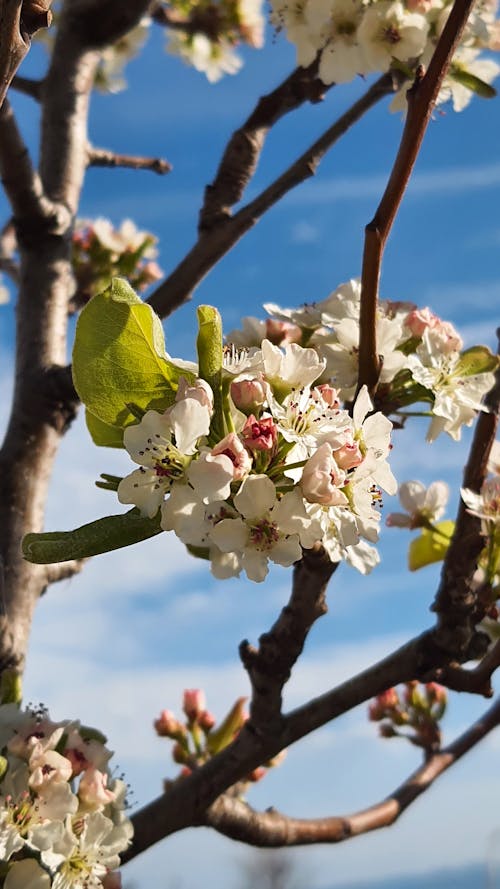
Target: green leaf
point(108, 482)
point(476, 360)
point(11, 687)
point(232, 723)
point(431, 546)
point(472, 82)
point(101, 536)
point(209, 346)
point(119, 357)
point(103, 434)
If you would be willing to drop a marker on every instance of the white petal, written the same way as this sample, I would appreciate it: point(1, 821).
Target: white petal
point(145, 489)
point(230, 535)
point(211, 477)
point(256, 496)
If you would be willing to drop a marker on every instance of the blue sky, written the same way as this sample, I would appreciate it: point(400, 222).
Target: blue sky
point(140, 625)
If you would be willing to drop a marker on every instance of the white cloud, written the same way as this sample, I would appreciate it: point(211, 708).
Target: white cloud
point(431, 183)
point(303, 232)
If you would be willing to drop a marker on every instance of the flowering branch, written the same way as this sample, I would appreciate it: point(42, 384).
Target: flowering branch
point(103, 157)
point(214, 244)
point(243, 151)
point(234, 818)
point(456, 601)
point(421, 100)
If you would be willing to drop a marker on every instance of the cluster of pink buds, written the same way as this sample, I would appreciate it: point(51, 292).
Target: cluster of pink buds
point(197, 737)
point(413, 712)
point(101, 252)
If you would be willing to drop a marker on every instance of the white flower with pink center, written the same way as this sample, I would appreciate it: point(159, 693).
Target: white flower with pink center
point(48, 767)
point(231, 447)
point(162, 444)
point(388, 31)
point(457, 398)
point(93, 791)
point(266, 528)
point(306, 422)
point(485, 505)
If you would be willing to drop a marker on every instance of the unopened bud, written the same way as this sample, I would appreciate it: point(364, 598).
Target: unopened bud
point(193, 703)
point(206, 721)
point(168, 726)
point(281, 332)
point(249, 395)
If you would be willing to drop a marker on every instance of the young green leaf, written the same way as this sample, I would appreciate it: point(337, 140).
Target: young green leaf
point(472, 82)
point(119, 358)
point(430, 546)
point(102, 433)
point(101, 536)
point(476, 360)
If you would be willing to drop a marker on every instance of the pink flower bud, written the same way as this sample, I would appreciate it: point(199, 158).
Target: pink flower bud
point(280, 332)
point(93, 790)
point(200, 390)
point(420, 319)
point(167, 725)
point(329, 395)
point(179, 754)
point(436, 693)
point(206, 721)
point(322, 479)
point(256, 775)
point(193, 703)
point(348, 456)
point(249, 395)
point(259, 435)
point(232, 447)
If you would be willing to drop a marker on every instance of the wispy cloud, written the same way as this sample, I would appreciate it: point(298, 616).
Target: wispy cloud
point(431, 183)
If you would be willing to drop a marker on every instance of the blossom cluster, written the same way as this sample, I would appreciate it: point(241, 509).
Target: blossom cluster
point(198, 737)
point(358, 37)
point(62, 819)
point(422, 356)
point(100, 251)
point(412, 712)
point(269, 464)
point(212, 31)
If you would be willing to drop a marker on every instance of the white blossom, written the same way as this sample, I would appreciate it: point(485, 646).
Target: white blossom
point(421, 504)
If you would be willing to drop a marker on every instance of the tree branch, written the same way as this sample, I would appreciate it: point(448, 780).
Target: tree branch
point(421, 101)
point(269, 666)
point(214, 244)
point(243, 151)
point(63, 570)
point(457, 603)
point(19, 19)
point(476, 681)
point(28, 87)
point(234, 818)
point(103, 157)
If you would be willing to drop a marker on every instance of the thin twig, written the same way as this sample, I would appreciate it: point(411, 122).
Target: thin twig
point(212, 245)
point(234, 818)
point(476, 681)
point(64, 570)
point(28, 87)
point(421, 101)
point(103, 157)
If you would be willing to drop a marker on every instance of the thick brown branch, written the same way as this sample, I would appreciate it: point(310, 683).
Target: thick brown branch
point(22, 183)
point(243, 151)
point(269, 666)
point(421, 101)
point(100, 23)
point(234, 818)
point(103, 157)
point(212, 245)
point(8, 248)
point(19, 19)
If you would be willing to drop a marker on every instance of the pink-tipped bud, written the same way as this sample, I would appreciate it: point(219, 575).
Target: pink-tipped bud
point(231, 447)
point(348, 456)
point(167, 725)
point(420, 319)
point(206, 721)
point(193, 703)
point(436, 694)
point(329, 395)
point(256, 774)
point(179, 754)
point(249, 395)
point(259, 435)
point(281, 332)
point(387, 731)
